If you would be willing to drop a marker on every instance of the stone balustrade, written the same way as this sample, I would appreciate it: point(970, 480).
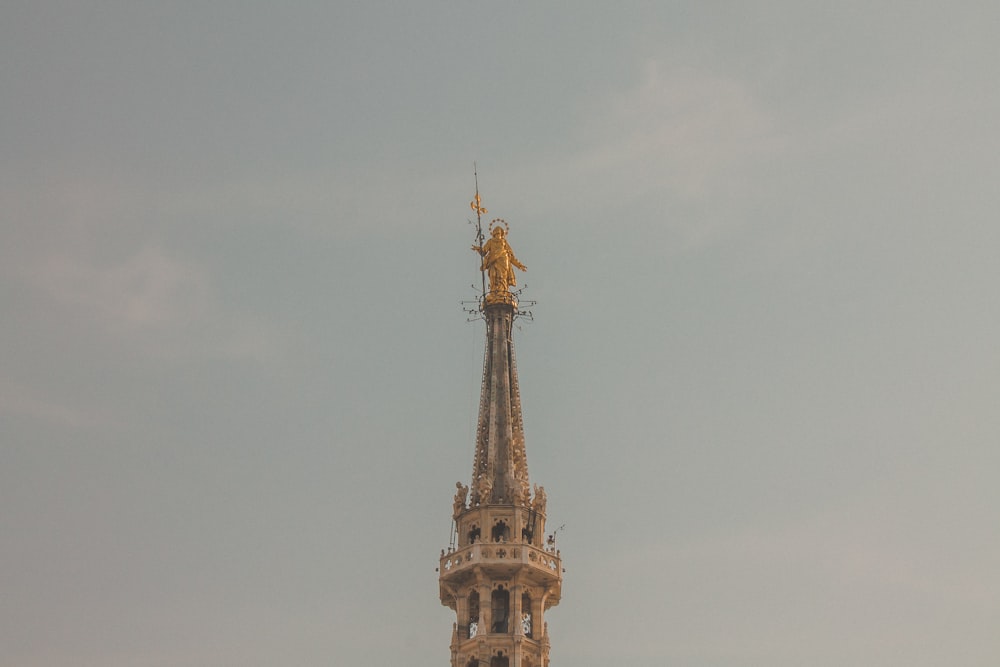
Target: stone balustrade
point(499, 553)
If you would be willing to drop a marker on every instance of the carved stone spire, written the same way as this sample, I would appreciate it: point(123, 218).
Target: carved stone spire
point(500, 468)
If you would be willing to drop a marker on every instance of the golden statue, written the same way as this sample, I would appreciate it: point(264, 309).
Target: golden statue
point(499, 261)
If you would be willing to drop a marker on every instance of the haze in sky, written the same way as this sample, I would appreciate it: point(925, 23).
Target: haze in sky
point(761, 386)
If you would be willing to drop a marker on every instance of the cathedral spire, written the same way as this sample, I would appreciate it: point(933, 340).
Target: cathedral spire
point(500, 575)
point(500, 469)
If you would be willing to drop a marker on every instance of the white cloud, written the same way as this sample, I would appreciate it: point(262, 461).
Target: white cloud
point(21, 400)
point(147, 290)
point(792, 590)
point(682, 131)
point(680, 151)
point(163, 305)
point(78, 254)
point(352, 201)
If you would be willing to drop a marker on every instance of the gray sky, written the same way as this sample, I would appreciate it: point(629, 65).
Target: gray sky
point(237, 386)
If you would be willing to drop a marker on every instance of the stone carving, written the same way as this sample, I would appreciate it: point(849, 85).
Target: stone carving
point(461, 494)
point(540, 500)
point(522, 489)
point(517, 493)
point(485, 488)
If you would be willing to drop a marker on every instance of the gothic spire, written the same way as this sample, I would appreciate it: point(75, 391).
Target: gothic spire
point(500, 573)
point(500, 468)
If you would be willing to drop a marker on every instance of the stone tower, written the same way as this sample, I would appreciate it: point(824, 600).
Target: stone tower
point(500, 573)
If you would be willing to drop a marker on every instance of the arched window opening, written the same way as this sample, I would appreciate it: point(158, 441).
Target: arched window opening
point(473, 534)
point(473, 626)
point(526, 615)
point(501, 531)
point(501, 610)
point(473, 662)
point(500, 661)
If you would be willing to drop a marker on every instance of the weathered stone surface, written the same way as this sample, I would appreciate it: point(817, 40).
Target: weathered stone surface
point(502, 573)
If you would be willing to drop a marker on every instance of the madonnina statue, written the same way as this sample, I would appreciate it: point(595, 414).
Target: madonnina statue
point(499, 261)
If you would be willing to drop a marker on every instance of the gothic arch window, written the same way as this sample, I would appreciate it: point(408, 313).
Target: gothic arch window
point(501, 531)
point(499, 660)
point(500, 606)
point(474, 533)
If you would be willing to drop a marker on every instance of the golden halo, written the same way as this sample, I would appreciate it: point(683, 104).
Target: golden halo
point(501, 221)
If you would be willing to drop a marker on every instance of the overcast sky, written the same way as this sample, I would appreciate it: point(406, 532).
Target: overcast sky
point(761, 388)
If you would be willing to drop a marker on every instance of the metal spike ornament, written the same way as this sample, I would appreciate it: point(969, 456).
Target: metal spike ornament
point(477, 204)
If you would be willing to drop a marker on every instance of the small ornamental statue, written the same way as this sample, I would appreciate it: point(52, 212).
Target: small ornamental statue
point(460, 495)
